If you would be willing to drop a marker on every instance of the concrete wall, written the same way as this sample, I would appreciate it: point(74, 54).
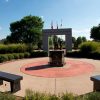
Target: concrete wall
point(68, 37)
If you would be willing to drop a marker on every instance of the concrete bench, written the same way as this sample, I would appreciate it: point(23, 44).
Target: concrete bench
point(96, 82)
point(13, 79)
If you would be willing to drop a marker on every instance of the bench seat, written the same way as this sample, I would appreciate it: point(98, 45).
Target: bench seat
point(13, 79)
point(96, 82)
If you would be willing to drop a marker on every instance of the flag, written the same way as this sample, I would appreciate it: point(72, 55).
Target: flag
point(57, 25)
point(52, 25)
point(61, 23)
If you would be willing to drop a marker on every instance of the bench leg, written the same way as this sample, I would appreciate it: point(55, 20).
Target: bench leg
point(96, 86)
point(15, 86)
point(1, 82)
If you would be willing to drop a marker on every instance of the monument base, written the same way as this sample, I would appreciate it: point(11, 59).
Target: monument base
point(56, 58)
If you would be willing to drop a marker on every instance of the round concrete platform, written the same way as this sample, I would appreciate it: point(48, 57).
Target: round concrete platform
point(71, 68)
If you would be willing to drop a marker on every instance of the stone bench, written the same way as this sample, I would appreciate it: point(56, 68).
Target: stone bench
point(13, 79)
point(96, 82)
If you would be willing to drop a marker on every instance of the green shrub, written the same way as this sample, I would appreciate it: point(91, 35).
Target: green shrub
point(76, 54)
point(30, 95)
point(10, 56)
point(90, 47)
point(7, 96)
point(3, 49)
point(96, 55)
point(39, 54)
point(30, 47)
point(3, 58)
point(91, 96)
point(16, 55)
point(7, 57)
point(90, 50)
point(21, 48)
point(13, 48)
point(21, 55)
point(26, 54)
point(53, 97)
point(67, 96)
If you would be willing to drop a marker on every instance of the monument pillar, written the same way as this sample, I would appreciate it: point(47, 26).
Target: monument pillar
point(45, 43)
point(68, 42)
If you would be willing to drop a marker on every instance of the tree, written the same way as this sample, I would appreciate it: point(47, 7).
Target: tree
point(2, 41)
point(74, 42)
point(95, 33)
point(84, 39)
point(78, 42)
point(60, 43)
point(50, 42)
point(27, 30)
point(55, 42)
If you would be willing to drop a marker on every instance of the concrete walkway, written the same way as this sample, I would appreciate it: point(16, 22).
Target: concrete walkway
point(77, 84)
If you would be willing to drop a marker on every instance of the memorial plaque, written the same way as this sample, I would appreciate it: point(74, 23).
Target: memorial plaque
point(56, 58)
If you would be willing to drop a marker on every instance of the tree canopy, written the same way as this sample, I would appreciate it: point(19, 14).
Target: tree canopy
point(26, 30)
point(95, 33)
point(77, 41)
point(73, 40)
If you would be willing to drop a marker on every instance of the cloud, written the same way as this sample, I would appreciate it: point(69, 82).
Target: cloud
point(0, 28)
point(6, 0)
point(81, 31)
point(97, 21)
point(42, 18)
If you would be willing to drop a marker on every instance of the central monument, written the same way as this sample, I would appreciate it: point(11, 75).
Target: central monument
point(56, 56)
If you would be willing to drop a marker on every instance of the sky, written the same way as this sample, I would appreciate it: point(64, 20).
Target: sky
point(80, 15)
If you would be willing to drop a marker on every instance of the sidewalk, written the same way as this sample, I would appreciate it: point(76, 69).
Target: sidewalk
point(77, 84)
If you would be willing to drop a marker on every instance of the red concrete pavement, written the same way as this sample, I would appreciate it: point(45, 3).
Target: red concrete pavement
point(71, 68)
